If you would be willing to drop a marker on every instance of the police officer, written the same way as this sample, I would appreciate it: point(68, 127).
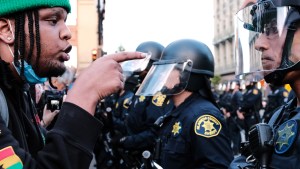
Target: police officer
point(137, 118)
point(121, 110)
point(250, 106)
point(194, 133)
point(142, 110)
point(274, 27)
point(225, 100)
point(277, 97)
point(235, 124)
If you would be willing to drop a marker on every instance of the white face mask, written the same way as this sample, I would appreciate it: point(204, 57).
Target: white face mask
point(29, 73)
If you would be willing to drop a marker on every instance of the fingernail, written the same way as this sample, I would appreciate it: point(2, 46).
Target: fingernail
point(144, 55)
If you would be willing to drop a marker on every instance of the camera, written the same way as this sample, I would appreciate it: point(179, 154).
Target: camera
point(53, 99)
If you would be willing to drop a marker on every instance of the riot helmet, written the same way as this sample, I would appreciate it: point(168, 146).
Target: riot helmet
point(265, 40)
point(183, 65)
point(155, 49)
point(142, 66)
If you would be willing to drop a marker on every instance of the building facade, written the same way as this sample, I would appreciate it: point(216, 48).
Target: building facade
point(85, 37)
point(224, 11)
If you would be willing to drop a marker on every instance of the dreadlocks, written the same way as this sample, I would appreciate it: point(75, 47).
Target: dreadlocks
point(20, 38)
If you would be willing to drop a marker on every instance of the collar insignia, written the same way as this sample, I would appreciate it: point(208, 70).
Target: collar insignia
point(285, 94)
point(126, 103)
point(285, 136)
point(141, 98)
point(176, 128)
point(158, 99)
point(207, 126)
point(255, 91)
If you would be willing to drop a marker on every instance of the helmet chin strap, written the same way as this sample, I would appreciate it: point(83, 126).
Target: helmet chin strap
point(276, 76)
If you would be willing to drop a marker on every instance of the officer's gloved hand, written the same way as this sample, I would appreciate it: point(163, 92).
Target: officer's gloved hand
point(117, 139)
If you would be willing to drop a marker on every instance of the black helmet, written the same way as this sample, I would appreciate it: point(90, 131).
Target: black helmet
point(154, 48)
point(198, 52)
point(265, 36)
point(141, 66)
point(180, 60)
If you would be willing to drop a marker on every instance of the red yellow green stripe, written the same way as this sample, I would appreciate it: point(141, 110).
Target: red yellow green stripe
point(9, 160)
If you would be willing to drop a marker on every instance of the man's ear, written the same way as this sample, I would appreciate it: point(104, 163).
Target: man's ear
point(6, 34)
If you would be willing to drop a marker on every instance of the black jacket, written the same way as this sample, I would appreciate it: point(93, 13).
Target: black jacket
point(69, 145)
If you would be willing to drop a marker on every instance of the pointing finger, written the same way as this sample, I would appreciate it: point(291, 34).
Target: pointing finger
point(123, 56)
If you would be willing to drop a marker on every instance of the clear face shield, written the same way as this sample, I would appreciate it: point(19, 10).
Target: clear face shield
point(261, 31)
point(168, 77)
point(134, 66)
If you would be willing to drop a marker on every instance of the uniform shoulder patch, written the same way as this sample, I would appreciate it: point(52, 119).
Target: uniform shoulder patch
point(285, 136)
point(255, 91)
point(9, 160)
point(207, 126)
point(158, 99)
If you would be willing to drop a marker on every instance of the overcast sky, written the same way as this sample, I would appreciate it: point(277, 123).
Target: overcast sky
point(130, 22)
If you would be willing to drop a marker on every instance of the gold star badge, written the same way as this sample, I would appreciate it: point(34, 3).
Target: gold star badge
point(142, 98)
point(284, 135)
point(176, 128)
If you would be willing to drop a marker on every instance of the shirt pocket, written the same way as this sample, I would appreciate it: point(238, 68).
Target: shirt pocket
point(176, 146)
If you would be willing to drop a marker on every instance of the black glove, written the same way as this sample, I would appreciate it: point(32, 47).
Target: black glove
point(117, 139)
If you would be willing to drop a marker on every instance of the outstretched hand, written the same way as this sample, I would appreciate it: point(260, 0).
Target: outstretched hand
point(102, 78)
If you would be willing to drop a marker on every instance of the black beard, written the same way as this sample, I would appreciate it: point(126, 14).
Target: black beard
point(51, 72)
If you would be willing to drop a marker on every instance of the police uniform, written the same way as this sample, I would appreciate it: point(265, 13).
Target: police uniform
point(234, 123)
point(195, 136)
point(251, 104)
point(225, 100)
point(120, 112)
point(285, 125)
point(140, 121)
point(140, 124)
point(275, 100)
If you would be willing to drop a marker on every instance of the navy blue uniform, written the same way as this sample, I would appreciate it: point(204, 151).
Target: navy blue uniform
point(250, 105)
point(276, 98)
point(121, 111)
point(143, 114)
point(234, 123)
point(225, 101)
point(195, 135)
point(286, 153)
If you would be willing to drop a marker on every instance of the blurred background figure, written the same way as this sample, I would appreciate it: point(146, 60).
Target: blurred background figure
point(250, 106)
point(276, 97)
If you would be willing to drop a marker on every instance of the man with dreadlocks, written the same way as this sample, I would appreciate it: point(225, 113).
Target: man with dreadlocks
point(34, 45)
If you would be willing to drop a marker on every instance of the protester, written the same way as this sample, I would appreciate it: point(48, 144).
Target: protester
point(34, 45)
